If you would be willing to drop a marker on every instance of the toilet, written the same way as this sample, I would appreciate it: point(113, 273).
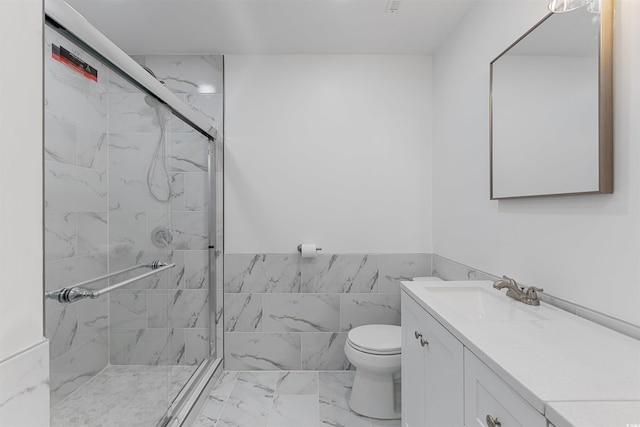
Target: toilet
point(375, 352)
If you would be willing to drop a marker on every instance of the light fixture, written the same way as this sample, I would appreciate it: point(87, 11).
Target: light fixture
point(559, 6)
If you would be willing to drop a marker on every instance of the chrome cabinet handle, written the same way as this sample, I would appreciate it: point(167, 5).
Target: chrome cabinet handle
point(493, 422)
point(423, 342)
point(417, 334)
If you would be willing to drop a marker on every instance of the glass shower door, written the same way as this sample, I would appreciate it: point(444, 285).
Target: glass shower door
point(126, 195)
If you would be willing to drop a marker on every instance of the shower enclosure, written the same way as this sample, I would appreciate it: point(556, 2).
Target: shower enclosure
point(130, 235)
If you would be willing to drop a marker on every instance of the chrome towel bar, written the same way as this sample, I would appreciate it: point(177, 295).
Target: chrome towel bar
point(75, 292)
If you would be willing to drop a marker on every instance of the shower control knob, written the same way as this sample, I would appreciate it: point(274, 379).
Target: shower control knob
point(493, 422)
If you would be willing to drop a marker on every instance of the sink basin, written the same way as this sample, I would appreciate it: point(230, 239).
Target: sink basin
point(476, 303)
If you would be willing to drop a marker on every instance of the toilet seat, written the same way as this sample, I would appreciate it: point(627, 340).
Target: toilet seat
point(376, 339)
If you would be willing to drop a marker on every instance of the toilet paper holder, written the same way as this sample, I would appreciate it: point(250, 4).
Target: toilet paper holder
point(300, 248)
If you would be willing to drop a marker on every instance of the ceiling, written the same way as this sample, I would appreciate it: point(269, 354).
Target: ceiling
point(274, 26)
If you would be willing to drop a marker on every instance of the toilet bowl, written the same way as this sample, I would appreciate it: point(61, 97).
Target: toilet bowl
point(375, 352)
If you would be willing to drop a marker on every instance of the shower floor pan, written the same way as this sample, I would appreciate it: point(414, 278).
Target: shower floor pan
point(122, 396)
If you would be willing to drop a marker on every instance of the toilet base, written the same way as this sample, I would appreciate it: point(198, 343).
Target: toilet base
point(376, 395)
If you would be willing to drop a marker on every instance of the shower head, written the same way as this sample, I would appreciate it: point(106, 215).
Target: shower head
point(148, 70)
point(150, 100)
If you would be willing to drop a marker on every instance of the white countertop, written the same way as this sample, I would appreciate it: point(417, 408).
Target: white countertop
point(594, 414)
point(562, 358)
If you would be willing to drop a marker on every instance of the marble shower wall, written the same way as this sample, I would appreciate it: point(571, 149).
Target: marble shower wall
point(287, 313)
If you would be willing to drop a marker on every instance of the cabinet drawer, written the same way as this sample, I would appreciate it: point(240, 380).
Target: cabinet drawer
point(486, 394)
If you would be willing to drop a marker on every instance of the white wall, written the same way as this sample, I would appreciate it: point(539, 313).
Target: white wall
point(334, 150)
point(24, 354)
point(20, 175)
point(583, 248)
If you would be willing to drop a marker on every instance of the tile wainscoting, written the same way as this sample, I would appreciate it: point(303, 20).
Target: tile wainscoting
point(284, 312)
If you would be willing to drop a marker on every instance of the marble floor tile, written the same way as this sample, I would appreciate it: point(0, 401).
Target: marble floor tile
point(294, 411)
point(283, 399)
point(297, 383)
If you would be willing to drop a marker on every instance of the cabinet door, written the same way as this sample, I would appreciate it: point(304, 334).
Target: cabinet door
point(413, 365)
point(487, 395)
point(432, 371)
point(444, 376)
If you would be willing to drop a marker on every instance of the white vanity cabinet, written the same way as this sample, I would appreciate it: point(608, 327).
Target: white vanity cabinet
point(432, 371)
point(489, 400)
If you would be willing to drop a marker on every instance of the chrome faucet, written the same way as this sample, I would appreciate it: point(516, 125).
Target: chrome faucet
point(528, 296)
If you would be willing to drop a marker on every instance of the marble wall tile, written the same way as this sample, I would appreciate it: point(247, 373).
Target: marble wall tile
point(177, 346)
point(139, 346)
point(262, 351)
point(196, 196)
point(397, 266)
point(243, 312)
point(196, 265)
point(92, 148)
point(128, 309)
point(60, 139)
point(197, 345)
point(62, 329)
point(93, 318)
point(24, 394)
point(127, 231)
point(188, 74)
point(209, 106)
point(364, 309)
point(78, 366)
point(190, 308)
point(300, 312)
point(70, 188)
point(450, 270)
point(177, 275)
point(158, 308)
point(70, 271)
point(128, 112)
point(60, 234)
point(324, 351)
point(92, 233)
point(339, 273)
point(188, 153)
point(261, 273)
point(130, 192)
point(130, 152)
point(190, 230)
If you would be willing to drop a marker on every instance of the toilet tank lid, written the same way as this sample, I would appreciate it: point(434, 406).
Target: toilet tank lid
point(377, 338)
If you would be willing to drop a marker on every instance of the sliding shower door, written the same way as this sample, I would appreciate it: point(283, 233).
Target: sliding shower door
point(127, 193)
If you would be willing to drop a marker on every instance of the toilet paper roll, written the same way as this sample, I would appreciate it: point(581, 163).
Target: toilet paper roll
point(308, 250)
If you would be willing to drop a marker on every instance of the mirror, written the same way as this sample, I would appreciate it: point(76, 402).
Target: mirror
point(552, 108)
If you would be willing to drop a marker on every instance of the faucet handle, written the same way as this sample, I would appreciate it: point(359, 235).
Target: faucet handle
point(532, 292)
